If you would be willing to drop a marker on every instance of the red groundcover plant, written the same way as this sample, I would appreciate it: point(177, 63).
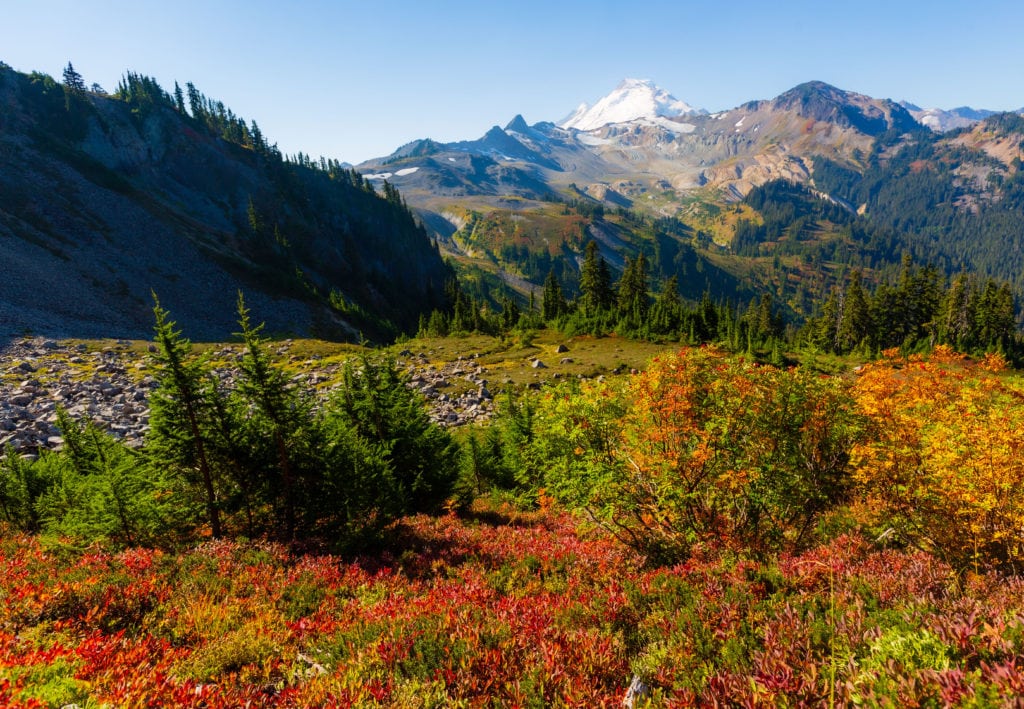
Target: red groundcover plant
point(501, 609)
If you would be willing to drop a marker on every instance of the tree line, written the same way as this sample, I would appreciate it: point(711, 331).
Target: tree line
point(917, 311)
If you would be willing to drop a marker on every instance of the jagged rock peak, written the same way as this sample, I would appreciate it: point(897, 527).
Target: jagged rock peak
point(823, 102)
point(518, 124)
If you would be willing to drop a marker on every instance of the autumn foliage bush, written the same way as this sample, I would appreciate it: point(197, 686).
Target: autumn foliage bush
point(703, 448)
point(942, 466)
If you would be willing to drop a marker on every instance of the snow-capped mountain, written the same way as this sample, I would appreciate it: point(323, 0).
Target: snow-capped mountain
point(640, 143)
point(940, 120)
point(633, 99)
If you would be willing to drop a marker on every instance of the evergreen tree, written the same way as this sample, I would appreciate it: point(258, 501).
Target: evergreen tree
point(552, 299)
point(509, 313)
point(21, 485)
point(886, 314)
point(179, 406)
point(855, 325)
point(421, 457)
point(632, 291)
point(73, 82)
point(281, 415)
point(179, 99)
point(667, 314)
point(957, 313)
point(74, 86)
point(258, 143)
point(706, 324)
point(195, 102)
point(99, 490)
point(996, 316)
point(596, 293)
point(825, 334)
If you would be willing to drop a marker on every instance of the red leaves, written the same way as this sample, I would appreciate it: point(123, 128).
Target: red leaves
point(524, 612)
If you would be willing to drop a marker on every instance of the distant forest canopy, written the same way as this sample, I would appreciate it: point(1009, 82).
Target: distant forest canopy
point(837, 281)
point(919, 310)
point(918, 191)
point(800, 244)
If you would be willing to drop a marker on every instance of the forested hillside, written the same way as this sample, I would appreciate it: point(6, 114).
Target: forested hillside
point(105, 198)
point(955, 200)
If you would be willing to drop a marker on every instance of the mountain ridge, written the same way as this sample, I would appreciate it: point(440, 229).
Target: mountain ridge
point(730, 151)
point(691, 151)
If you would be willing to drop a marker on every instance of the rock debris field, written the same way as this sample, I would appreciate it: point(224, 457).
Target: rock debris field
point(110, 383)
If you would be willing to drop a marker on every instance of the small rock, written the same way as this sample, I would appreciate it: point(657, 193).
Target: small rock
point(636, 694)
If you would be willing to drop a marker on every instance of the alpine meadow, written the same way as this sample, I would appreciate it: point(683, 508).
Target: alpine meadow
point(650, 406)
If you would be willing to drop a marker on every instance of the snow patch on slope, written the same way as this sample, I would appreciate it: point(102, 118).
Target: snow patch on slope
point(388, 175)
point(673, 126)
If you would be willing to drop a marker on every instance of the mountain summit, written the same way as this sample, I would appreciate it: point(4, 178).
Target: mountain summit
point(632, 100)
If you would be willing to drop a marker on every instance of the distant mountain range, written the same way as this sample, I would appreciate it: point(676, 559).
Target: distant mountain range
point(688, 173)
point(941, 121)
point(640, 141)
point(106, 199)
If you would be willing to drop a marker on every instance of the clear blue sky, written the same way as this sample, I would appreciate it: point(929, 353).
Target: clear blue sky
point(354, 80)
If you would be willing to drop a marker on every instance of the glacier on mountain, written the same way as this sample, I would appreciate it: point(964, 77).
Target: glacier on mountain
point(632, 100)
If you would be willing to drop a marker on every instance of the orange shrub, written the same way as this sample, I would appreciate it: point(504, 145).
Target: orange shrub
point(945, 459)
point(717, 450)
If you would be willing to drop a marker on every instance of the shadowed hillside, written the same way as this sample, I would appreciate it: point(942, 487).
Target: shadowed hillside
point(105, 198)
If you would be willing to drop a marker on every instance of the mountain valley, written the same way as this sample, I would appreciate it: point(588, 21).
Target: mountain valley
point(639, 167)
